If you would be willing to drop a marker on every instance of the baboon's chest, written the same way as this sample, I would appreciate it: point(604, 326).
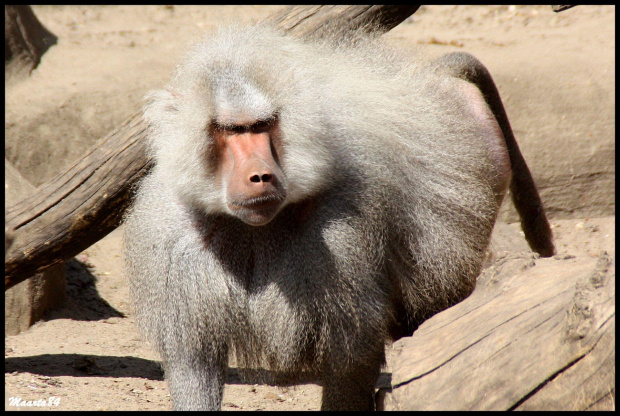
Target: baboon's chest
point(273, 330)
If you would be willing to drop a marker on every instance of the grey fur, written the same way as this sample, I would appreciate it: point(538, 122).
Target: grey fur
point(391, 199)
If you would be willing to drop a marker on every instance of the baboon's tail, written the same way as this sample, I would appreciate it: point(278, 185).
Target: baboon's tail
point(524, 193)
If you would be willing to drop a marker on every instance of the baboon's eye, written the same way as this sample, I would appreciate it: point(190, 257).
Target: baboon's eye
point(231, 128)
point(260, 125)
point(263, 125)
point(238, 128)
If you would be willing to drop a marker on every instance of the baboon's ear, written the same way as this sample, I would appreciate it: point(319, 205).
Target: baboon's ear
point(174, 93)
point(161, 102)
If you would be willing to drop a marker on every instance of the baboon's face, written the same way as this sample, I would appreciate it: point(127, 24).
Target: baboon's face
point(248, 167)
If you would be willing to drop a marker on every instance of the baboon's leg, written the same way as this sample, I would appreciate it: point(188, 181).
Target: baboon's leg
point(352, 390)
point(196, 379)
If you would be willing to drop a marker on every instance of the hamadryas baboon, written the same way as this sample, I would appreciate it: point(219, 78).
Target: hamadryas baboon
point(312, 201)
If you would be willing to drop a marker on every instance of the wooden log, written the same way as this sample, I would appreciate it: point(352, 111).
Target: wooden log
point(27, 302)
point(536, 334)
point(561, 8)
point(82, 205)
point(314, 21)
point(78, 207)
point(25, 41)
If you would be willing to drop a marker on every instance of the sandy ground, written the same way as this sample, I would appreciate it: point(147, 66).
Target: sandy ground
point(555, 73)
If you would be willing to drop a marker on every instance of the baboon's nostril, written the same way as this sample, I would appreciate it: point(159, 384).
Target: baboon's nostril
point(265, 177)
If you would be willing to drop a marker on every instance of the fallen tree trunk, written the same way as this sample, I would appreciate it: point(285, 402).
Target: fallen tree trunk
point(25, 41)
point(536, 334)
point(82, 205)
point(561, 8)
